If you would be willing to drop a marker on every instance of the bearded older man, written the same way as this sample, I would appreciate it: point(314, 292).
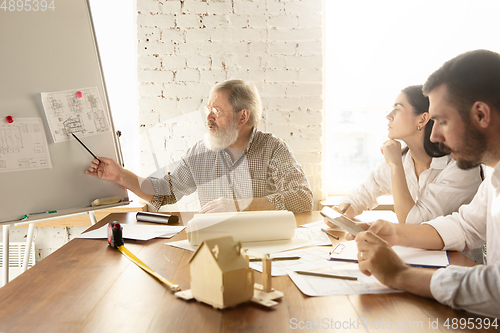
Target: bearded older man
point(235, 168)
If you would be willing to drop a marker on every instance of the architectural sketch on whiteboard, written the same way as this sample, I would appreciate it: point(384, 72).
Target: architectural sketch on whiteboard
point(23, 145)
point(79, 111)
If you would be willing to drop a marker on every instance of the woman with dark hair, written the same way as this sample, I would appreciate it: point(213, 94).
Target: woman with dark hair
point(423, 180)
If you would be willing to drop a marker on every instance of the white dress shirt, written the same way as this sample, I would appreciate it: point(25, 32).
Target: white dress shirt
point(475, 289)
point(440, 190)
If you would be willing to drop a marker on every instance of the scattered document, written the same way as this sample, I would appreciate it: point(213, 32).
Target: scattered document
point(79, 111)
point(311, 258)
point(183, 244)
point(315, 234)
point(348, 251)
point(277, 246)
point(136, 231)
point(23, 145)
point(257, 247)
point(322, 286)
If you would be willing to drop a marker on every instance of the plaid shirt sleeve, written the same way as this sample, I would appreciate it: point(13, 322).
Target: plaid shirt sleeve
point(173, 186)
point(293, 191)
point(271, 172)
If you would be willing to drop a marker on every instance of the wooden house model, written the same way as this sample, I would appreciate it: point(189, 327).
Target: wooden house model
point(220, 275)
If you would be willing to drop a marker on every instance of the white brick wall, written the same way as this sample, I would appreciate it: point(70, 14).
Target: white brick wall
point(186, 46)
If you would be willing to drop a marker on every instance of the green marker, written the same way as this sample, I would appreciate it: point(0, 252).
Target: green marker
point(47, 212)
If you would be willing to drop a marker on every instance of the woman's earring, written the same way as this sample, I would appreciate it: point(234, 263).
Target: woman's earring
point(419, 127)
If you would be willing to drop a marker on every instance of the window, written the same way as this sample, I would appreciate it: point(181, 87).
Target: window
point(115, 26)
point(373, 50)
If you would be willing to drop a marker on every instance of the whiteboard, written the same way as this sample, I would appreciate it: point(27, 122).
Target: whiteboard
point(49, 51)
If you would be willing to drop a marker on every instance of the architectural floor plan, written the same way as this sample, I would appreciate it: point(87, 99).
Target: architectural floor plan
point(23, 145)
point(79, 111)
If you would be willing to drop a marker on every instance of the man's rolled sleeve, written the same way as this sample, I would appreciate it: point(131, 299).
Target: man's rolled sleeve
point(163, 192)
point(293, 190)
point(294, 193)
point(277, 200)
point(475, 289)
point(450, 231)
point(445, 283)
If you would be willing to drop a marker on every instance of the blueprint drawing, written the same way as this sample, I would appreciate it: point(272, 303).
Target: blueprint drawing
point(23, 145)
point(79, 111)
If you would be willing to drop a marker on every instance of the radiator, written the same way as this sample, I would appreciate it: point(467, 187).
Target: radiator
point(16, 257)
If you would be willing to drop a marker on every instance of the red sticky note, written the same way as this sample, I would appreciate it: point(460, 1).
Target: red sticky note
point(79, 94)
point(9, 119)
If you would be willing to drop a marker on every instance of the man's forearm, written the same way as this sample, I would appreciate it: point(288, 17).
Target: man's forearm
point(414, 280)
point(142, 187)
point(421, 236)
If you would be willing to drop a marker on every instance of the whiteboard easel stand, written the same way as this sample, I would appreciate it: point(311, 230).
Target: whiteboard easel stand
point(29, 241)
point(5, 252)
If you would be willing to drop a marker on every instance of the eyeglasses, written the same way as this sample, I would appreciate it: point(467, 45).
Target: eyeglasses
point(215, 111)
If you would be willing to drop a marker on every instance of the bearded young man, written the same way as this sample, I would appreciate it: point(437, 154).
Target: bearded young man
point(235, 168)
point(464, 99)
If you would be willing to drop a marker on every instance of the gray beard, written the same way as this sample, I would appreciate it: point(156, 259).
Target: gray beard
point(222, 138)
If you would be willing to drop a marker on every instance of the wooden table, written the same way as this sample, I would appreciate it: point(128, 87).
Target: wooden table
point(87, 286)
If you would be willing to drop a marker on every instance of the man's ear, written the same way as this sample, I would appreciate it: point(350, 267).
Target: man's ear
point(244, 116)
point(481, 114)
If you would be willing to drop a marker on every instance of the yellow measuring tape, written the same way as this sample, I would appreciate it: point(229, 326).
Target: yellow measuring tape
point(115, 239)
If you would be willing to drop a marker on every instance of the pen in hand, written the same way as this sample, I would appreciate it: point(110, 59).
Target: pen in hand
point(346, 207)
point(329, 233)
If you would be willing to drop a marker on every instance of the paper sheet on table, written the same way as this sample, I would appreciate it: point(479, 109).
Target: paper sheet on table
point(348, 251)
point(23, 145)
point(321, 286)
point(136, 231)
point(311, 258)
point(315, 234)
point(242, 226)
point(257, 247)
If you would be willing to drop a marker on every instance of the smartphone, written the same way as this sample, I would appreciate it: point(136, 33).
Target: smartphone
point(342, 221)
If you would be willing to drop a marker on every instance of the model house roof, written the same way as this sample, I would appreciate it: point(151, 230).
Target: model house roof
point(225, 251)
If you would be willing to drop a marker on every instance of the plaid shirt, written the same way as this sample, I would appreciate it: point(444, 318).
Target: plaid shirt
point(267, 168)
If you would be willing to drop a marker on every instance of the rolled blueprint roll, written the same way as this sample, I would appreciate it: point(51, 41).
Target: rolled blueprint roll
point(157, 218)
point(243, 226)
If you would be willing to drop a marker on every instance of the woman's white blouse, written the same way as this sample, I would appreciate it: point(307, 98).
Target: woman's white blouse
point(440, 190)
